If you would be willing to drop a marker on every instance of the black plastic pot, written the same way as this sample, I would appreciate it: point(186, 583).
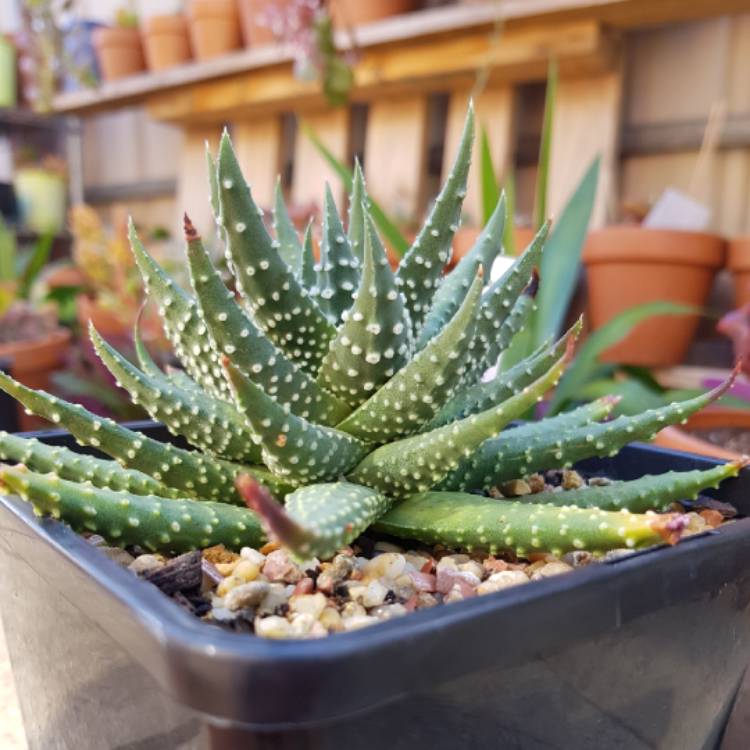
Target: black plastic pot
point(645, 652)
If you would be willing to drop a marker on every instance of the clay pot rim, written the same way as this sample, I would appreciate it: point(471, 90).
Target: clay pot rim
point(719, 416)
point(170, 23)
point(16, 348)
point(697, 249)
point(116, 35)
point(198, 9)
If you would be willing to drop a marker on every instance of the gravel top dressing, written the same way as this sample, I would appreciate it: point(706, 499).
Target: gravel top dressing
point(266, 592)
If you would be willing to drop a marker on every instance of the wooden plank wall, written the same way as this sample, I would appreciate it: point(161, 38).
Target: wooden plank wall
point(672, 73)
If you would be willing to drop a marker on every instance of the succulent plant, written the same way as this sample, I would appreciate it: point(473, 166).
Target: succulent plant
point(350, 392)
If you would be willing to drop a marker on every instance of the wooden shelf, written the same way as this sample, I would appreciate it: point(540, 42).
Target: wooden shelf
point(418, 51)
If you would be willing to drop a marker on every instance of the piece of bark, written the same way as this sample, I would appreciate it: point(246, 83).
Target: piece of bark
point(183, 574)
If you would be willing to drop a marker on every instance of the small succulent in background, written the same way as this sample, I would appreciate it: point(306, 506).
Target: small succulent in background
point(307, 26)
point(350, 391)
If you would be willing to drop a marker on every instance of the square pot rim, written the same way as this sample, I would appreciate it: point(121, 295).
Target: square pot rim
point(179, 648)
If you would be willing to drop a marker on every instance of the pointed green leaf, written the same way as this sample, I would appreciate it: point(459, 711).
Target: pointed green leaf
point(236, 336)
point(413, 394)
point(293, 447)
point(211, 425)
point(290, 248)
point(309, 274)
point(317, 520)
point(281, 307)
point(338, 273)
point(456, 519)
point(372, 343)
point(182, 321)
point(421, 269)
point(78, 467)
point(124, 519)
point(358, 204)
point(420, 462)
point(193, 473)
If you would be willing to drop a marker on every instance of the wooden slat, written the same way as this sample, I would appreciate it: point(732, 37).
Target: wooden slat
point(495, 113)
point(581, 47)
point(311, 171)
point(192, 180)
point(586, 125)
point(395, 152)
point(257, 144)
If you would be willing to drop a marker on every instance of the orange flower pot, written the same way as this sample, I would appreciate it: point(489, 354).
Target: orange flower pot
point(255, 29)
point(358, 12)
point(738, 261)
point(166, 41)
point(628, 266)
point(32, 363)
point(214, 27)
point(119, 51)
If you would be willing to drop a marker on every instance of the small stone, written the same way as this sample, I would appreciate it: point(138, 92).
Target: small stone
point(420, 562)
point(246, 595)
point(305, 586)
point(248, 553)
point(144, 563)
point(360, 621)
point(273, 627)
point(493, 565)
point(425, 600)
point(352, 609)
point(340, 567)
point(278, 567)
point(404, 586)
point(120, 556)
point(95, 540)
point(456, 594)
point(448, 579)
point(472, 567)
point(516, 488)
point(374, 594)
point(331, 620)
point(275, 597)
point(423, 581)
point(536, 483)
point(551, 569)
point(389, 611)
point(389, 565)
point(505, 579)
point(226, 569)
point(246, 570)
point(302, 624)
point(310, 604)
point(599, 482)
point(616, 554)
point(571, 480)
point(495, 493)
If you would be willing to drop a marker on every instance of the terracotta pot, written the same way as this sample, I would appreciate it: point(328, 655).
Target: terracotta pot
point(119, 51)
point(738, 261)
point(214, 27)
point(357, 12)
point(715, 417)
point(628, 265)
point(255, 30)
point(32, 363)
point(166, 41)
